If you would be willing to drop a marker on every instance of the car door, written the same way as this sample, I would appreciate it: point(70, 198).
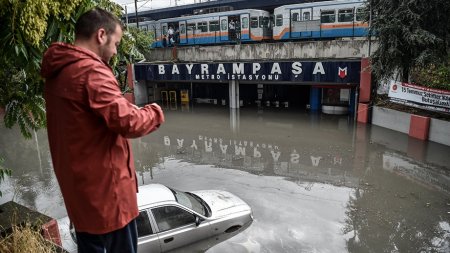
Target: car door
point(177, 227)
point(148, 240)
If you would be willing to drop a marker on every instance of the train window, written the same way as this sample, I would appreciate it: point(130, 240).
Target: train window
point(360, 14)
point(261, 21)
point(191, 27)
point(254, 22)
point(295, 17)
point(327, 16)
point(224, 24)
point(279, 20)
point(214, 26)
point(143, 27)
point(244, 23)
point(306, 15)
point(202, 26)
point(345, 15)
point(164, 30)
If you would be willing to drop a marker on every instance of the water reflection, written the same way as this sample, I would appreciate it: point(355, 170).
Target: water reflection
point(315, 182)
point(387, 183)
point(33, 182)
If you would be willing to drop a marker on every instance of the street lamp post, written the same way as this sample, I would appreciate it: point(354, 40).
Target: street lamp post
point(136, 10)
point(126, 15)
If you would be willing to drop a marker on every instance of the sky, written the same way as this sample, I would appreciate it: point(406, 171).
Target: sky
point(146, 5)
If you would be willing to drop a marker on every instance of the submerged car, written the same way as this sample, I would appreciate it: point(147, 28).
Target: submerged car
point(172, 220)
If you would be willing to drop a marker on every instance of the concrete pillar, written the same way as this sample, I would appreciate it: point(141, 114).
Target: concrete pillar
point(363, 113)
point(234, 94)
point(419, 127)
point(361, 136)
point(365, 85)
point(365, 89)
point(352, 105)
point(234, 120)
point(130, 82)
point(130, 75)
point(417, 149)
point(315, 99)
point(140, 92)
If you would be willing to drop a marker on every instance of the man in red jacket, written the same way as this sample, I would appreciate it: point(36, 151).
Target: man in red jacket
point(88, 123)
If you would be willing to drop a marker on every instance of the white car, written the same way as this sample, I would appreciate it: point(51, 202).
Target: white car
point(172, 220)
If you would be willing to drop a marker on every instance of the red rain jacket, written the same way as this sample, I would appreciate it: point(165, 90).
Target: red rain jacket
point(88, 121)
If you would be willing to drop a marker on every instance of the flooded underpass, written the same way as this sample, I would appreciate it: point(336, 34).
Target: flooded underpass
point(315, 182)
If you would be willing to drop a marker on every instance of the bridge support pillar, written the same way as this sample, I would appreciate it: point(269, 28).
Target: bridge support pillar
point(315, 99)
point(234, 94)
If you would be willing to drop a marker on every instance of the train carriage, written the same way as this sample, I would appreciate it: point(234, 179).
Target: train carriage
point(328, 19)
point(214, 28)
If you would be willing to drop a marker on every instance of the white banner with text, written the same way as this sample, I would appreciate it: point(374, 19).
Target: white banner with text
point(419, 96)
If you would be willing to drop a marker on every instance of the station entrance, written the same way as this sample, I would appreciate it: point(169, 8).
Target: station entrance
point(253, 95)
point(328, 87)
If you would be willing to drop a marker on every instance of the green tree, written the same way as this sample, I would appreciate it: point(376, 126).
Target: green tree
point(412, 35)
point(135, 44)
point(28, 27)
point(27, 30)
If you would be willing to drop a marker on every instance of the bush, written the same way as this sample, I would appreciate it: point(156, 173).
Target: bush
point(25, 239)
point(434, 76)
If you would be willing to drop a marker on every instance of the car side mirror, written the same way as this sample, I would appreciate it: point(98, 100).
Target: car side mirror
point(197, 221)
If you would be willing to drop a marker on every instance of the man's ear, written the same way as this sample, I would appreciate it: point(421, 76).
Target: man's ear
point(101, 36)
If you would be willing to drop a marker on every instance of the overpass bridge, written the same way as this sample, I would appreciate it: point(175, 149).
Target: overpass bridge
point(327, 76)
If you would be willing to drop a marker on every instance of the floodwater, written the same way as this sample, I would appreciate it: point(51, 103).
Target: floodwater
point(316, 183)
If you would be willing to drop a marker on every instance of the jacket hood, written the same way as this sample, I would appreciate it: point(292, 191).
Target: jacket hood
point(59, 55)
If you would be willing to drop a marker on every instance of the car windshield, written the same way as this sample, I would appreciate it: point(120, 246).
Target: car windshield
point(190, 201)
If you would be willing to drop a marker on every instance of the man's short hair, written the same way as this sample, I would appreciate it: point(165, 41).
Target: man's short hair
point(94, 19)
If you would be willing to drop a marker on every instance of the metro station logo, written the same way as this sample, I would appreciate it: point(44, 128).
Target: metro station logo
point(342, 73)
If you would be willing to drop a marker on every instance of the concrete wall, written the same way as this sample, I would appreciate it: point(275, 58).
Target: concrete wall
point(389, 138)
point(391, 119)
point(440, 131)
point(336, 49)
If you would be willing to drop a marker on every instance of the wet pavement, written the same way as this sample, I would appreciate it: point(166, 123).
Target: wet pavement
point(316, 183)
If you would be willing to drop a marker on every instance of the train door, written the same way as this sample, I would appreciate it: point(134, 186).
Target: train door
point(243, 31)
point(182, 34)
point(224, 28)
point(191, 27)
point(281, 25)
point(294, 22)
point(302, 23)
point(164, 38)
point(309, 24)
point(154, 28)
point(267, 27)
point(234, 28)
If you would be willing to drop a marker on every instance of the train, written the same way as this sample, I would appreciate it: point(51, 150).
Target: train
point(316, 20)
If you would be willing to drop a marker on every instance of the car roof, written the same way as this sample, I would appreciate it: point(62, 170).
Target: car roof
point(154, 193)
